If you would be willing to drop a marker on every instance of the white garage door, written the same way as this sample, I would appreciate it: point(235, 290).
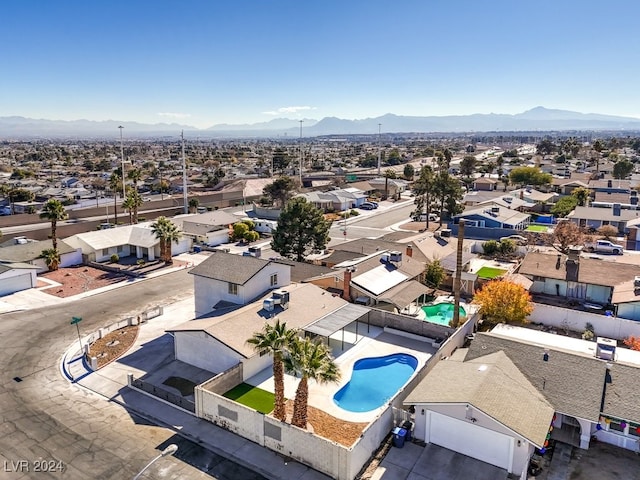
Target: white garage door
point(15, 284)
point(471, 440)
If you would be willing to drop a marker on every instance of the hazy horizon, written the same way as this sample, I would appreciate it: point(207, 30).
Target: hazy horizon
point(206, 63)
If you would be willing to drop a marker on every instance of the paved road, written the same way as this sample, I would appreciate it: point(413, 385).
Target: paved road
point(44, 418)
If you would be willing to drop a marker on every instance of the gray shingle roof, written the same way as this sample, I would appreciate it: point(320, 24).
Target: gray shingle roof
point(493, 385)
point(228, 267)
point(572, 383)
point(28, 252)
point(598, 213)
point(622, 398)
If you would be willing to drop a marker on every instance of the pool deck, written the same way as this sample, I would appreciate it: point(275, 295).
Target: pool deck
point(376, 343)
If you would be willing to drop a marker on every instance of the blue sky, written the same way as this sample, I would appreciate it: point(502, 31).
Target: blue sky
point(202, 63)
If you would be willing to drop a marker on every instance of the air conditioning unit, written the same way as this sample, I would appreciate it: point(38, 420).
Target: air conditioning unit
point(385, 258)
point(636, 281)
point(268, 304)
point(395, 256)
point(281, 297)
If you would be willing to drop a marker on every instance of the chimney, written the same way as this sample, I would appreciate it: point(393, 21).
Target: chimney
point(574, 253)
point(346, 289)
point(409, 251)
point(616, 209)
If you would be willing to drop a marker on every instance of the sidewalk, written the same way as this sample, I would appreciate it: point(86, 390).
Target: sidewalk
point(110, 382)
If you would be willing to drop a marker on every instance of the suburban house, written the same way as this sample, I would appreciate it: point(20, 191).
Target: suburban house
point(493, 216)
point(510, 202)
point(610, 185)
point(389, 187)
point(126, 240)
point(224, 280)
point(485, 184)
point(498, 399)
point(15, 277)
point(29, 252)
point(336, 200)
point(211, 228)
point(596, 217)
point(585, 280)
point(539, 199)
point(609, 199)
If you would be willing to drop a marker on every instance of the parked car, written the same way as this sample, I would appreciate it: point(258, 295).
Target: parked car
point(518, 239)
point(367, 206)
point(604, 246)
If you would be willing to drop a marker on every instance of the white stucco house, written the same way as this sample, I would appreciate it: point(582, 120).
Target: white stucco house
point(210, 228)
point(15, 277)
point(496, 400)
point(235, 279)
point(29, 252)
point(138, 240)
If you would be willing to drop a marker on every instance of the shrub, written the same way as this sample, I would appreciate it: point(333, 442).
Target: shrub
point(115, 258)
point(588, 333)
point(140, 261)
point(490, 247)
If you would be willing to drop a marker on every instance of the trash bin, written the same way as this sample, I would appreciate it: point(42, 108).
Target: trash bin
point(408, 426)
point(399, 436)
point(197, 249)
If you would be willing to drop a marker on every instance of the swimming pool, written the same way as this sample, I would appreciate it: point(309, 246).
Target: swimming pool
point(374, 380)
point(441, 313)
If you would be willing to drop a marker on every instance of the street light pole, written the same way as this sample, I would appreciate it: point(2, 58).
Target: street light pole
point(184, 177)
point(170, 450)
point(301, 153)
point(379, 157)
point(124, 192)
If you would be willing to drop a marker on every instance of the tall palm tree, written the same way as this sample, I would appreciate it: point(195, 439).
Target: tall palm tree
point(311, 360)
point(115, 184)
point(54, 211)
point(167, 232)
point(132, 203)
point(275, 340)
point(51, 258)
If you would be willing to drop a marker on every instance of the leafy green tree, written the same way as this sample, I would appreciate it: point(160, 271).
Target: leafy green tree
point(280, 160)
point(251, 236)
point(275, 340)
point(54, 212)
point(581, 195)
point(564, 206)
point(281, 190)
point(529, 176)
point(301, 229)
point(546, 147)
point(167, 233)
point(240, 229)
point(507, 246)
point(309, 360)
point(434, 274)
point(490, 247)
point(408, 171)
point(193, 205)
point(622, 169)
point(51, 258)
point(448, 193)
point(423, 190)
point(468, 165)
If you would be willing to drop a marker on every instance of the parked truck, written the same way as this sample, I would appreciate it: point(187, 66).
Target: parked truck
point(604, 246)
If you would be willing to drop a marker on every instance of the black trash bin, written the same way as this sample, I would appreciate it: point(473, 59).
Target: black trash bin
point(399, 436)
point(408, 426)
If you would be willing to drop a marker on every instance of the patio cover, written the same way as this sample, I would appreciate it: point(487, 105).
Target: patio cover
point(337, 320)
point(402, 295)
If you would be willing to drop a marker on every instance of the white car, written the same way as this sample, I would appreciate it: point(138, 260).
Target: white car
point(519, 239)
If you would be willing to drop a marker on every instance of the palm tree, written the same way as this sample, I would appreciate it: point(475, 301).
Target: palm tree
point(128, 204)
point(167, 232)
point(193, 205)
point(311, 360)
point(51, 258)
point(275, 340)
point(115, 184)
point(53, 211)
point(132, 203)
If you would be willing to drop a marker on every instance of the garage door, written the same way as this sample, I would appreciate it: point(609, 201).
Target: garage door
point(470, 439)
point(15, 284)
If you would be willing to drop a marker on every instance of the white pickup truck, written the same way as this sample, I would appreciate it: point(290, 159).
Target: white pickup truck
point(604, 246)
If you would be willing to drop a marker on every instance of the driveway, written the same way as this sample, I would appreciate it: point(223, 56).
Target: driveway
point(432, 462)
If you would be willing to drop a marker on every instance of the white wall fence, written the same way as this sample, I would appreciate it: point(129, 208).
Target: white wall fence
point(567, 319)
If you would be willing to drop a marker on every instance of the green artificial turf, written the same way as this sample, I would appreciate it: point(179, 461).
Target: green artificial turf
point(490, 272)
point(252, 397)
point(537, 228)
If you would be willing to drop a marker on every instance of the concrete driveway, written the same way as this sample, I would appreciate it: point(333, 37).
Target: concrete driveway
point(413, 462)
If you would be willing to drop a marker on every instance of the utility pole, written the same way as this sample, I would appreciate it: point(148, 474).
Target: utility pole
point(379, 156)
point(184, 177)
point(124, 192)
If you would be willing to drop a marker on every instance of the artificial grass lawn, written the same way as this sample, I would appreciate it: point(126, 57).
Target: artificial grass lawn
point(252, 397)
point(490, 272)
point(537, 228)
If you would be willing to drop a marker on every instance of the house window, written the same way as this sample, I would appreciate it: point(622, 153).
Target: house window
point(120, 249)
point(634, 429)
point(105, 252)
point(233, 288)
point(274, 279)
point(615, 424)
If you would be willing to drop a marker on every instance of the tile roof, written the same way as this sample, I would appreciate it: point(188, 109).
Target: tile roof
point(228, 267)
point(591, 271)
point(493, 385)
point(572, 383)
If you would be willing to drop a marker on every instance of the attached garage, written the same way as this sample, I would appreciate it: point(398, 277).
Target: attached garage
point(471, 440)
point(13, 279)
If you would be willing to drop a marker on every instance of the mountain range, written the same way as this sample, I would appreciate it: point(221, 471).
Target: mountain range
point(536, 119)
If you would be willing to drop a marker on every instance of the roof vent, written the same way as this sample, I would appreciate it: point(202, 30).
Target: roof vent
point(606, 348)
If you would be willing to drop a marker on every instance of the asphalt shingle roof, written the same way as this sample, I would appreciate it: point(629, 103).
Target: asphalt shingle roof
point(572, 383)
point(228, 267)
point(622, 398)
point(27, 252)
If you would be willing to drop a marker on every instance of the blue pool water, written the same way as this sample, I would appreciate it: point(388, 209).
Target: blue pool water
point(441, 313)
point(375, 380)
